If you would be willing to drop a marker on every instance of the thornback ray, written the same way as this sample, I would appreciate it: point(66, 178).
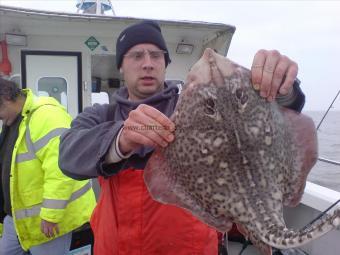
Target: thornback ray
point(236, 157)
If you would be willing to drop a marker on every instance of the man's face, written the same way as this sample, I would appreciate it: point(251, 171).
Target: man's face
point(8, 112)
point(143, 70)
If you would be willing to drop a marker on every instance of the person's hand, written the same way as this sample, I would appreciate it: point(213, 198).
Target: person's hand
point(145, 126)
point(273, 73)
point(49, 228)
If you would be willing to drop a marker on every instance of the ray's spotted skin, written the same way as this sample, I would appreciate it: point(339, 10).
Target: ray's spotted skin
point(236, 157)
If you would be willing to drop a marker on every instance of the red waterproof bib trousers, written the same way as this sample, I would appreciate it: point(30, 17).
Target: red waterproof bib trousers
point(127, 221)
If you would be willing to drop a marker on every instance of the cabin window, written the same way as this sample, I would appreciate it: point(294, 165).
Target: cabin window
point(54, 87)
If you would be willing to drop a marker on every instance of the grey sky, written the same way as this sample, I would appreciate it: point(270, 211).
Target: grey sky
point(306, 31)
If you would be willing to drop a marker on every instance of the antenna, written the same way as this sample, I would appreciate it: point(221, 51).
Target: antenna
point(97, 7)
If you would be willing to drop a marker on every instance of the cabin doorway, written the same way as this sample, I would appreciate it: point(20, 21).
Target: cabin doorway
point(55, 74)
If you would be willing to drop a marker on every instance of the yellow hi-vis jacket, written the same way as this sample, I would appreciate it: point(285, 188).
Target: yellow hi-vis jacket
point(38, 188)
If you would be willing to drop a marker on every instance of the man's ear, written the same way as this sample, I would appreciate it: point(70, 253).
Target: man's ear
point(121, 70)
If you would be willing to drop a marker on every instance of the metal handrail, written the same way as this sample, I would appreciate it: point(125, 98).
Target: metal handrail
point(329, 161)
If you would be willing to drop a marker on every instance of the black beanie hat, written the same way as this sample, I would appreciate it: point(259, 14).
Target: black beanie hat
point(144, 32)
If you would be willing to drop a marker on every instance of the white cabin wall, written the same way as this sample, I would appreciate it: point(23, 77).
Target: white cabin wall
point(178, 68)
point(180, 64)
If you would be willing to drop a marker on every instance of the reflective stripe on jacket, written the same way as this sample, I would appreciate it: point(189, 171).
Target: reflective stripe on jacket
point(38, 188)
point(127, 221)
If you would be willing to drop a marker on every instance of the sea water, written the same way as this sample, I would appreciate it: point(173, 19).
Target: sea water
point(326, 174)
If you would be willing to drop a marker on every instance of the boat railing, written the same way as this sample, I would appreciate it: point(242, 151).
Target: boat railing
point(333, 162)
point(318, 197)
point(330, 106)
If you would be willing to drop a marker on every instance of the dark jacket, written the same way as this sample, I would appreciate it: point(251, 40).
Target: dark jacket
point(83, 147)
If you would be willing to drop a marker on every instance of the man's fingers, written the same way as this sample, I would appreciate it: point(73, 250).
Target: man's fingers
point(257, 69)
point(48, 228)
point(151, 139)
point(51, 232)
point(161, 118)
point(291, 74)
point(278, 78)
point(268, 72)
point(272, 72)
point(146, 126)
point(131, 127)
point(56, 228)
point(46, 231)
point(150, 121)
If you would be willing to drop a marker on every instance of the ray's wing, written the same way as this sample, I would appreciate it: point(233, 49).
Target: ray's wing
point(304, 139)
point(158, 180)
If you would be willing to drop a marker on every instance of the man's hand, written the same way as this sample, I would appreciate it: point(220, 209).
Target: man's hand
point(48, 228)
point(145, 126)
point(273, 73)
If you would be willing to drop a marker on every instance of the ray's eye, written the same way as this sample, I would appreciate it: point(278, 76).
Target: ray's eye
point(239, 93)
point(244, 99)
point(241, 96)
point(209, 106)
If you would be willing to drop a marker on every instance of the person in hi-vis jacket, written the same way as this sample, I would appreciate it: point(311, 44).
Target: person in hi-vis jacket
point(39, 205)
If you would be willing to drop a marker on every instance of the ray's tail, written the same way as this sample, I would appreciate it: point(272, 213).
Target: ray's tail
point(286, 238)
